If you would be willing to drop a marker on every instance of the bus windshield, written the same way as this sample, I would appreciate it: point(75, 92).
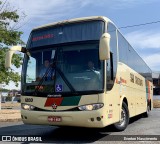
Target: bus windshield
point(63, 69)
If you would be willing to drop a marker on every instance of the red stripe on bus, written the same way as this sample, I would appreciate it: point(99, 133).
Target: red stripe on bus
point(51, 101)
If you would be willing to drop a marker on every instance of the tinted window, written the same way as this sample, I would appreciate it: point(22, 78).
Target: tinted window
point(112, 62)
point(123, 49)
point(129, 56)
point(83, 31)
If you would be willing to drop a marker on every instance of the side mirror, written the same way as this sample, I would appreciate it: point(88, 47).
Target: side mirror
point(104, 47)
point(9, 55)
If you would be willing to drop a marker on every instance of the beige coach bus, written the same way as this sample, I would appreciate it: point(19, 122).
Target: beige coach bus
point(82, 72)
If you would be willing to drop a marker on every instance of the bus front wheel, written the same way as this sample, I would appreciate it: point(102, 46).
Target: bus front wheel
point(123, 123)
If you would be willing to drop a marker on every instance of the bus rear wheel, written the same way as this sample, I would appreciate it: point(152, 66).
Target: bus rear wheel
point(146, 114)
point(123, 123)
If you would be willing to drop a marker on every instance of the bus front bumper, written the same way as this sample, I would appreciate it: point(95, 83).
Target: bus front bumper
point(77, 118)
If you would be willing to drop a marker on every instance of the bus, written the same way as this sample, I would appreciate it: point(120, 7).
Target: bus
point(92, 78)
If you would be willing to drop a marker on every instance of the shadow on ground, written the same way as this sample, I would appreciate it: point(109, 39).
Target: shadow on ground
point(63, 134)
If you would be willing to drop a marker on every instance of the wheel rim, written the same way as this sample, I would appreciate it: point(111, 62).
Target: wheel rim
point(148, 109)
point(123, 118)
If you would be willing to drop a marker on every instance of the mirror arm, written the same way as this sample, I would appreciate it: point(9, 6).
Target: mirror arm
point(24, 50)
point(10, 53)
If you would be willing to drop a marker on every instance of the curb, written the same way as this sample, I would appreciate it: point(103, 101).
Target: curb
point(11, 120)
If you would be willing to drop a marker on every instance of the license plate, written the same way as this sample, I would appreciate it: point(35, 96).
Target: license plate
point(54, 119)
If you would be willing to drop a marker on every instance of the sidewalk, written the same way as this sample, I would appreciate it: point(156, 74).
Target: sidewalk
point(156, 103)
point(10, 112)
point(10, 115)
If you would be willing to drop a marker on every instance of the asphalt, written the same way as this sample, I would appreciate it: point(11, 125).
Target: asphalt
point(139, 126)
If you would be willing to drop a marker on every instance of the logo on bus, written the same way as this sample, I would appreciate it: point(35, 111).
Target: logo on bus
point(54, 106)
point(57, 96)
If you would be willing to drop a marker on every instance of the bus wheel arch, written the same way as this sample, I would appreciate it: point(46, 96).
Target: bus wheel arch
point(123, 123)
point(148, 109)
point(125, 100)
point(150, 105)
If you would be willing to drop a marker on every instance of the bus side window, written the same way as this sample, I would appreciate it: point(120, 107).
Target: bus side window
point(112, 68)
point(111, 61)
point(110, 72)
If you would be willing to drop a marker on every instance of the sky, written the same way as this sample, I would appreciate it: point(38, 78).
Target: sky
point(145, 39)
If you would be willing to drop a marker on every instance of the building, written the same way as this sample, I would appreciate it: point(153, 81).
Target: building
point(156, 83)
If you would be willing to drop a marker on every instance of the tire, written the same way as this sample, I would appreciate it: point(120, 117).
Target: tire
point(146, 114)
point(123, 123)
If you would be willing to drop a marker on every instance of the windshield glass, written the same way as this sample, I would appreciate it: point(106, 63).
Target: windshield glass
point(63, 69)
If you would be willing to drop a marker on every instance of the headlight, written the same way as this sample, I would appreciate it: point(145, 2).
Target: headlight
point(27, 107)
point(91, 107)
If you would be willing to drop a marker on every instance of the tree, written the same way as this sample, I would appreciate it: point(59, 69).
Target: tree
point(9, 36)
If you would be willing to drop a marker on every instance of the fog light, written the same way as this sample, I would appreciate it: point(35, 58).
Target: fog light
point(98, 119)
point(92, 119)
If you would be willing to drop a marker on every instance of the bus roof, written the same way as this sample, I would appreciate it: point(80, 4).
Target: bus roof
point(105, 19)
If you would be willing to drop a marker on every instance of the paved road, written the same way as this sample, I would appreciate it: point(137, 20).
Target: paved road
point(137, 126)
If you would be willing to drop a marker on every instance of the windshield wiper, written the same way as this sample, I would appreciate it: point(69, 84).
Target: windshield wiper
point(65, 79)
point(57, 69)
point(50, 68)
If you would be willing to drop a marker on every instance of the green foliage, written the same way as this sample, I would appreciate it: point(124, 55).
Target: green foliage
point(9, 36)
point(9, 19)
point(4, 90)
